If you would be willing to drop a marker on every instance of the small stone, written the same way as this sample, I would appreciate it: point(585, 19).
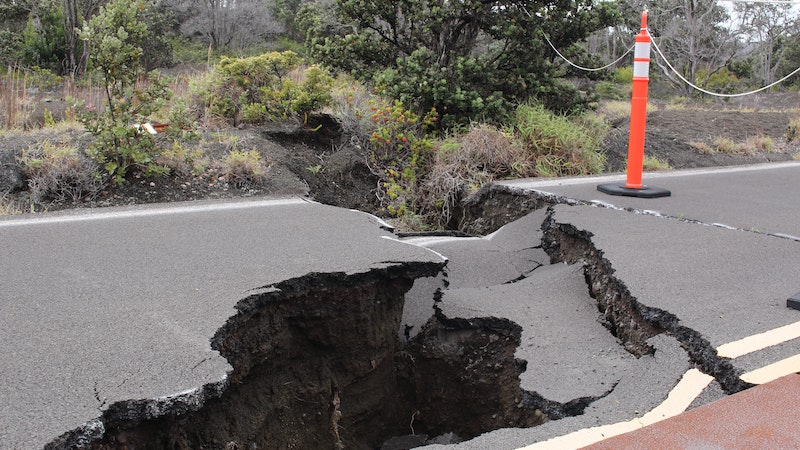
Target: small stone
point(152, 184)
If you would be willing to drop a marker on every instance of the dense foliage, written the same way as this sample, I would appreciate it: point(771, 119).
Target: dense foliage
point(470, 60)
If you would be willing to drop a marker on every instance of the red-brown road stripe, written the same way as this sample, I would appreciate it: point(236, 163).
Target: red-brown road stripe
point(766, 416)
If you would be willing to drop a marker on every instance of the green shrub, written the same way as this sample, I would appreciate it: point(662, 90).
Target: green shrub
point(261, 88)
point(59, 173)
point(44, 79)
point(611, 91)
point(115, 36)
point(185, 50)
point(400, 154)
point(624, 75)
point(557, 145)
point(182, 160)
point(722, 81)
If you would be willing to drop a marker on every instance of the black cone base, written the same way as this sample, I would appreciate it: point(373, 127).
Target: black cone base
point(644, 192)
point(794, 301)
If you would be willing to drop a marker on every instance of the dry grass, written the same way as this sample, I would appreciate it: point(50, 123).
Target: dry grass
point(614, 110)
point(759, 143)
point(750, 146)
point(793, 130)
point(60, 173)
point(652, 163)
point(244, 168)
point(702, 147)
point(9, 207)
point(467, 162)
point(726, 145)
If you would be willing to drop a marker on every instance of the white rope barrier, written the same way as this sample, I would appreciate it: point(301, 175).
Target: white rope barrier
point(717, 94)
point(586, 69)
point(675, 71)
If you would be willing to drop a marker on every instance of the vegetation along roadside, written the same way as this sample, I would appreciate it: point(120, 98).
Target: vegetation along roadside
point(346, 103)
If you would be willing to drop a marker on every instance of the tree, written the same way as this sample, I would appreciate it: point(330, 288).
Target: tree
point(43, 38)
point(162, 26)
point(693, 34)
point(768, 28)
point(285, 12)
point(76, 13)
point(468, 59)
point(21, 31)
point(231, 24)
point(790, 59)
point(114, 37)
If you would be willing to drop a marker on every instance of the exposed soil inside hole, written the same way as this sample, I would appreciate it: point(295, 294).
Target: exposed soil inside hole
point(318, 363)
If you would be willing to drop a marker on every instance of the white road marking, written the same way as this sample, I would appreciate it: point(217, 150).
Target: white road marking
point(145, 211)
point(773, 371)
point(689, 388)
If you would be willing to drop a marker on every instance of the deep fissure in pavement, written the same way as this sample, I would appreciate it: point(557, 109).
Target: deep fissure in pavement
point(630, 321)
point(318, 363)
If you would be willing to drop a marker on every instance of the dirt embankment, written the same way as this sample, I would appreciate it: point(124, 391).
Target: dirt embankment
point(673, 135)
point(316, 159)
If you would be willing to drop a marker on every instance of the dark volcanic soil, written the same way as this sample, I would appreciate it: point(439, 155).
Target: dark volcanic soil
point(670, 134)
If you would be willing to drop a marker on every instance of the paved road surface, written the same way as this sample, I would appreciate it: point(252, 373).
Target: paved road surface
point(90, 298)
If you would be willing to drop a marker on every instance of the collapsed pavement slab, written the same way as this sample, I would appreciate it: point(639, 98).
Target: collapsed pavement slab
point(644, 385)
point(507, 255)
point(726, 284)
point(574, 368)
point(706, 286)
point(570, 356)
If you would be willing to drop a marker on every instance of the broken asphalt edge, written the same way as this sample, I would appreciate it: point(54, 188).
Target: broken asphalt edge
point(191, 400)
point(599, 272)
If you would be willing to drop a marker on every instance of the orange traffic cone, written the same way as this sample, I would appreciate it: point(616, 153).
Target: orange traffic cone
point(641, 67)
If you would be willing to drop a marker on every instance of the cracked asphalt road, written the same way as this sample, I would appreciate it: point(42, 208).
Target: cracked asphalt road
point(89, 299)
point(110, 305)
point(720, 255)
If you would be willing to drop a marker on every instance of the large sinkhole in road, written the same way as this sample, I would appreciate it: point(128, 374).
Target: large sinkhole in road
point(324, 361)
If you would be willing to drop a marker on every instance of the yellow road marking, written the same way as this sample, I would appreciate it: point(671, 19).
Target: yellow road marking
point(682, 395)
point(689, 388)
point(759, 341)
point(773, 371)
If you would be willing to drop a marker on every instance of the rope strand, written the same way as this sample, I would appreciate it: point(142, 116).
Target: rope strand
point(586, 68)
point(717, 94)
